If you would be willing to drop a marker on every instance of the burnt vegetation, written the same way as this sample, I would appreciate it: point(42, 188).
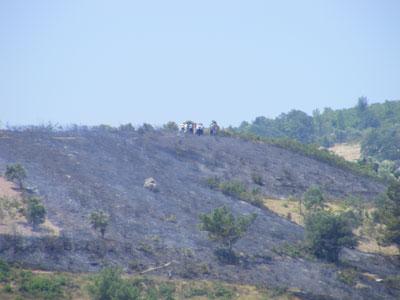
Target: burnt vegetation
point(93, 190)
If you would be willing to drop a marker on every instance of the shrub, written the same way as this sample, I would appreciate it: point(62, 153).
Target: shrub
point(326, 233)
point(99, 221)
point(109, 285)
point(314, 199)
point(224, 228)
point(35, 212)
point(213, 182)
point(348, 276)
point(16, 173)
point(236, 189)
point(4, 271)
point(389, 214)
point(257, 179)
point(42, 287)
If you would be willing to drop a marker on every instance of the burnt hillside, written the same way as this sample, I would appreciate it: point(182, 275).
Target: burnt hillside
point(78, 172)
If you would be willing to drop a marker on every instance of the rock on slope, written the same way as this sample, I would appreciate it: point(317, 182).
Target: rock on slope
point(82, 171)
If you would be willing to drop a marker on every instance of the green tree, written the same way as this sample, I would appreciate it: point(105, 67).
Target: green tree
point(390, 214)
point(171, 126)
point(35, 212)
point(362, 105)
point(327, 233)
point(297, 125)
point(314, 199)
point(383, 143)
point(99, 221)
point(223, 227)
point(109, 285)
point(16, 173)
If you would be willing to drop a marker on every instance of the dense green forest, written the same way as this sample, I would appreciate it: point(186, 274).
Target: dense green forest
point(376, 126)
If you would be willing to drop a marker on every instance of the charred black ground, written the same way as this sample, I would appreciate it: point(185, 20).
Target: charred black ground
point(77, 172)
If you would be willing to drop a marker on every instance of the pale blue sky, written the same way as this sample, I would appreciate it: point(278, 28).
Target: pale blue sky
point(93, 61)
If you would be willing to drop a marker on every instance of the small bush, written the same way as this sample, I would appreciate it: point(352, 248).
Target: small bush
point(257, 179)
point(4, 271)
point(348, 276)
point(236, 189)
point(99, 221)
point(8, 289)
point(35, 212)
point(109, 285)
point(298, 250)
point(213, 182)
point(41, 286)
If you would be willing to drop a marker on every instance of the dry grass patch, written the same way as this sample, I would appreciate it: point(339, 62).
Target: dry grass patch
point(350, 152)
point(12, 219)
point(289, 209)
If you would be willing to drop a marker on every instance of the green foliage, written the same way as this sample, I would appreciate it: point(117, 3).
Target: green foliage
point(35, 211)
point(145, 128)
point(389, 214)
point(314, 199)
point(233, 188)
point(223, 227)
point(16, 173)
point(236, 189)
point(313, 151)
point(109, 285)
point(99, 221)
point(378, 122)
point(216, 291)
point(213, 182)
point(348, 276)
point(297, 250)
point(171, 126)
point(326, 233)
point(257, 179)
point(383, 143)
point(42, 287)
point(5, 271)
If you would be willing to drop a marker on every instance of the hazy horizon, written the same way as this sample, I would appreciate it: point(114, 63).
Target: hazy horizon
point(97, 62)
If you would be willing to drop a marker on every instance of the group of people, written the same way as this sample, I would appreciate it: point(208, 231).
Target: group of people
point(190, 127)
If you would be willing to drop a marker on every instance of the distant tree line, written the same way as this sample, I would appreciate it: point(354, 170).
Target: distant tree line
point(376, 125)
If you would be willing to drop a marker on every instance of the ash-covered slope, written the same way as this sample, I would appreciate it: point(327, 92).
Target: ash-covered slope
point(82, 171)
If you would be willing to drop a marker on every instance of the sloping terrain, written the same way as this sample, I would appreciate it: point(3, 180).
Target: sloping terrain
point(82, 171)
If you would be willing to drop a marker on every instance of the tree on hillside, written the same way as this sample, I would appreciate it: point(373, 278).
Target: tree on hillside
point(314, 199)
point(297, 125)
point(390, 214)
point(327, 233)
point(226, 229)
point(35, 212)
point(16, 173)
point(171, 126)
point(99, 221)
point(362, 105)
point(367, 117)
point(383, 143)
